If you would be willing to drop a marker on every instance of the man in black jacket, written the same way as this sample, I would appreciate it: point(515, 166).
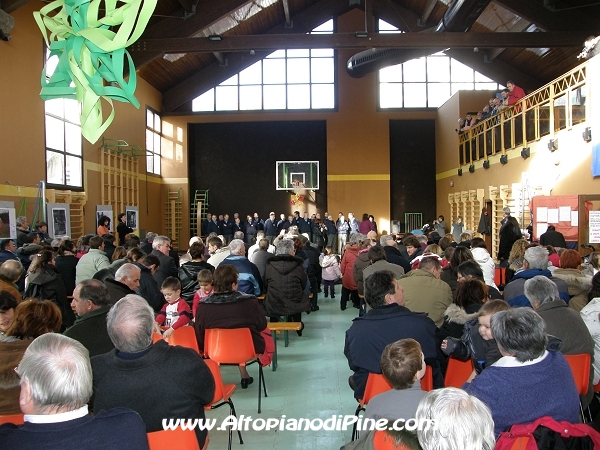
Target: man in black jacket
point(388, 321)
point(392, 254)
point(553, 238)
point(161, 247)
point(127, 376)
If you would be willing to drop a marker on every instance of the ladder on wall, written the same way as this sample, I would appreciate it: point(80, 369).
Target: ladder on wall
point(198, 210)
point(173, 216)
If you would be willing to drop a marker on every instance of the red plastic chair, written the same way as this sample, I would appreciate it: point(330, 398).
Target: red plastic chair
point(458, 372)
point(17, 419)
point(234, 346)
point(384, 441)
point(178, 438)
point(500, 276)
point(222, 396)
point(580, 366)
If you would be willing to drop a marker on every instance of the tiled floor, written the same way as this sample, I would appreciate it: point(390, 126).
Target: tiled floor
point(311, 382)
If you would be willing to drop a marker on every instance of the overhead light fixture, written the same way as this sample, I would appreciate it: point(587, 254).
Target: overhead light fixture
point(215, 37)
point(361, 34)
point(504, 159)
point(472, 168)
point(526, 152)
point(553, 145)
point(587, 134)
point(486, 164)
point(460, 172)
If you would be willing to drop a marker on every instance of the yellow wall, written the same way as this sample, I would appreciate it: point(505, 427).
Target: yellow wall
point(357, 141)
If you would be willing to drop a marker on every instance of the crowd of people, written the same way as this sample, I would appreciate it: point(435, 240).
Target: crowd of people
point(506, 98)
point(422, 297)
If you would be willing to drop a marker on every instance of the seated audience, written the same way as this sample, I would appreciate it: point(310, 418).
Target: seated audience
point(578, 284)
point(10, 273)
point(187, 257)
point(217, 251)
point(477, 341)
point(469, 270)
point(535, 262)
point(32, 319)
point(526, 373)
point(161, 248)
point(470, 297)
point(46, 283)
point(127, 280)
point(91, 302)
point(66, 264)
point(553, 258)
point(403, 366)
point(591, 317)
point(485, 260)
point(450, 273)
point(109, 246)
point(56, 385)
point(515, 259)
point(93, 261)
point(392, 252)
point(8, 303)
point(561, 322)
point(206, 288)
point(462, 421)
point(229, 308)
point(175, 313)
point(148, 289)
point(188, 271)
point(250, 281)
point(388, 321)
point(425, 292)
point(127, 376)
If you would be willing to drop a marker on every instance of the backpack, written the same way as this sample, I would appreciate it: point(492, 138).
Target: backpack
point(547, 433)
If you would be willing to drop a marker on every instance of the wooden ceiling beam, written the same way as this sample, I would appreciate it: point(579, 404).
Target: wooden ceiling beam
point(534, 11)
point(496, 70)
point(207, 13)
point(214, 74)
point(427, 10)
point(402, 18)
point(236, 43)
point(286, 12)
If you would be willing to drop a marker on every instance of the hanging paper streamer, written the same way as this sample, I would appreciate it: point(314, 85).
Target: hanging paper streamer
point(89, 38)
point(297, 200)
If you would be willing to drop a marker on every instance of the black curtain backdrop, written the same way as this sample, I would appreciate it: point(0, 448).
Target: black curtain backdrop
point(236, 163)
point(412, 168)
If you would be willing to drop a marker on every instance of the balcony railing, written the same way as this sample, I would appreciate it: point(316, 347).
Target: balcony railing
point(558, 105)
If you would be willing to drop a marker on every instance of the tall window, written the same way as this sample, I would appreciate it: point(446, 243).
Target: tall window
point(64, 156)
point(286, 79)
point(426, 82)
point(153, 134)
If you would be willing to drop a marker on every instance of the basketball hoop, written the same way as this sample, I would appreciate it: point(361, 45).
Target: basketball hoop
point(297, 185)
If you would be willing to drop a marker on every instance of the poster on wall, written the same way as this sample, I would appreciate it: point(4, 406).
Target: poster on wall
point(8, 223)
point(59, 220)
point(131, 212)
point(105, 210)
point(594, 227)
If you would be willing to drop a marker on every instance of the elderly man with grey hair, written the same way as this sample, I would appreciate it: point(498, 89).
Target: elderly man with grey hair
point(161, 246)
point(562, 322)
point(529, 381)
point(56, 385)
point(284, 282)
point(91, 302)
point(127, 280)
point(462, 421)
point(249, 281)
point(133, 374)
point(535, 262)
point(10, 272)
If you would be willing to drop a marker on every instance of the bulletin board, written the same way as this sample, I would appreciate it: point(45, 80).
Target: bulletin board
point(562, 211)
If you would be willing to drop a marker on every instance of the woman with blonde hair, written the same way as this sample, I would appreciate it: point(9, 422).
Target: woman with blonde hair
point(578, 283)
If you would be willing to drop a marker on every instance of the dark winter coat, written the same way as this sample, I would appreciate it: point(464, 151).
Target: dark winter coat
point(66, 266)
point(149, 289)
point(48, 285)
point(285, 281)
point(188, 275)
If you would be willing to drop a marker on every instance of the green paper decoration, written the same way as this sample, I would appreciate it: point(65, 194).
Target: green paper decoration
point(90, 46)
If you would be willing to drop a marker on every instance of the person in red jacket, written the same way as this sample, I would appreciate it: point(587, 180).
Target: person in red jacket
point(515, 93)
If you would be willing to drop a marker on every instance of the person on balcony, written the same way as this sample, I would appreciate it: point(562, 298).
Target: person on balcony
point(515, 93)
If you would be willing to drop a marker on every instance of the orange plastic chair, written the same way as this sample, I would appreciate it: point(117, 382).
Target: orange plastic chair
point(184, 336)
point(17, 419)
point(383, 441)
point(499, 275)
point(458, 372)
point(178, 438)
point(234, 346)
point(377, 384)
point(580, 366)
point(222, 396)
